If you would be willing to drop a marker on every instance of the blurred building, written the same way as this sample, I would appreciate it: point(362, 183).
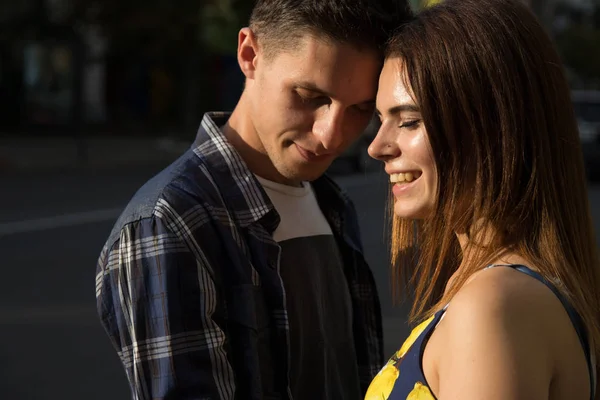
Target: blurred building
point(108, 66)
point(40, 66)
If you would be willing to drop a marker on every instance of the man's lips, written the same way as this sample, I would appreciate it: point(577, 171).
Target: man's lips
point(311, 156)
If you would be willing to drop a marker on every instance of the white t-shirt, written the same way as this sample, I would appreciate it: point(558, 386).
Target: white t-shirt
point(322, 355)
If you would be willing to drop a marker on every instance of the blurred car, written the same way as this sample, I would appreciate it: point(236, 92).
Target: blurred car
point(586, 104)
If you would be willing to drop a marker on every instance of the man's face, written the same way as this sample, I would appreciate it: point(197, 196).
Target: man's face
point(309, 104)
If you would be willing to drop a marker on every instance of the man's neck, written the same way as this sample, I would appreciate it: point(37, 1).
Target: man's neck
point(241, 134)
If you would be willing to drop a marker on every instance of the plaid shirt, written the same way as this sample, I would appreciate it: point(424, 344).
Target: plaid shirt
point(188, 288)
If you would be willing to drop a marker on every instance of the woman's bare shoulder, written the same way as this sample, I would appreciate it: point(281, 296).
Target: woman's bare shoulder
point(502, 330)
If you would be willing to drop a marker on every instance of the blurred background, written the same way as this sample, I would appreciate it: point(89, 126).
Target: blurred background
point(96, 96)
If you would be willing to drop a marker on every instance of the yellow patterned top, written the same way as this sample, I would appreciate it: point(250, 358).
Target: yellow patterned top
point(385, 382)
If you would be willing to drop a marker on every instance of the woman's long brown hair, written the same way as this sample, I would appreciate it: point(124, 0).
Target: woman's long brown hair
point(497, 108)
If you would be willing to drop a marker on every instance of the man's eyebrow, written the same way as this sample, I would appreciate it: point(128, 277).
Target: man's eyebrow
point(313, 88)
point(400, 108)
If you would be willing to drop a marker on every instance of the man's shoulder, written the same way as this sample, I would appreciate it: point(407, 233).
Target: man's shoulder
point(184, 186)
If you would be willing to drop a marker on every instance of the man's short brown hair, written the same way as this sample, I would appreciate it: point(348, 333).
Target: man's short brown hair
point(364, 24)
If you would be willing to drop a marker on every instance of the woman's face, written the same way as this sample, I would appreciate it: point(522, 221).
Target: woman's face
point(403, 145)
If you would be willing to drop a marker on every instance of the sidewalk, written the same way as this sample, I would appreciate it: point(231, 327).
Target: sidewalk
point(52, 153)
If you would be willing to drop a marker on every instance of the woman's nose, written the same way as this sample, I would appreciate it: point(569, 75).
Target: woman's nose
point(383, 147)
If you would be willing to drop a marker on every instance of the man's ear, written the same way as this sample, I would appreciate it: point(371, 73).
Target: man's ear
point(247, 52)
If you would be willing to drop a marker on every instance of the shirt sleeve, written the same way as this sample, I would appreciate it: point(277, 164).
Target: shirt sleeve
point(159, 305)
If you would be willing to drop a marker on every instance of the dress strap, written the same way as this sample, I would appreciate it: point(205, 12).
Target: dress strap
point(576, 319)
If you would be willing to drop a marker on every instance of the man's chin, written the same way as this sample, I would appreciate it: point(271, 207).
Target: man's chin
point(305, 173)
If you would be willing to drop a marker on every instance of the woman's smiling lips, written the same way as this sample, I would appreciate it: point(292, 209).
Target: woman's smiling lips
point(403, 180)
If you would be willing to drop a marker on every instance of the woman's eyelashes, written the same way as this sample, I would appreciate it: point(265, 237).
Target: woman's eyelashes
point(410, 124)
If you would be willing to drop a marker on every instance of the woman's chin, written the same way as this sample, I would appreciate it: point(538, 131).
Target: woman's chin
point(410, 212)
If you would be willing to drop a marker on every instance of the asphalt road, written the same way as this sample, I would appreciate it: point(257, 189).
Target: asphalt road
point(52, 227)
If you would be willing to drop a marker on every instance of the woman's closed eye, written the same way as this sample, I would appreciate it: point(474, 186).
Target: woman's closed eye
point(410, 124)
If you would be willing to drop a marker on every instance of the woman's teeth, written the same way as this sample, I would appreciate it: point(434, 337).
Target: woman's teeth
point(404, 177)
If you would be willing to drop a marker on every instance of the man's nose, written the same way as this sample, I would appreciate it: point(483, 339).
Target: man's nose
point(329, 128)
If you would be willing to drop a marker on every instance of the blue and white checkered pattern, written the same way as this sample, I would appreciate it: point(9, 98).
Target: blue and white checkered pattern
point(188, 281)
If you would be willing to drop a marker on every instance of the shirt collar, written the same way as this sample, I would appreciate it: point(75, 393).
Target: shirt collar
point(246, 196)
point(239, 187)
point(339, 211)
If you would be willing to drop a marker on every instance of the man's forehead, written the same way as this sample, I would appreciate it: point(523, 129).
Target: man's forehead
point(322, 57)
point(309, 46)
point(335, 69)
